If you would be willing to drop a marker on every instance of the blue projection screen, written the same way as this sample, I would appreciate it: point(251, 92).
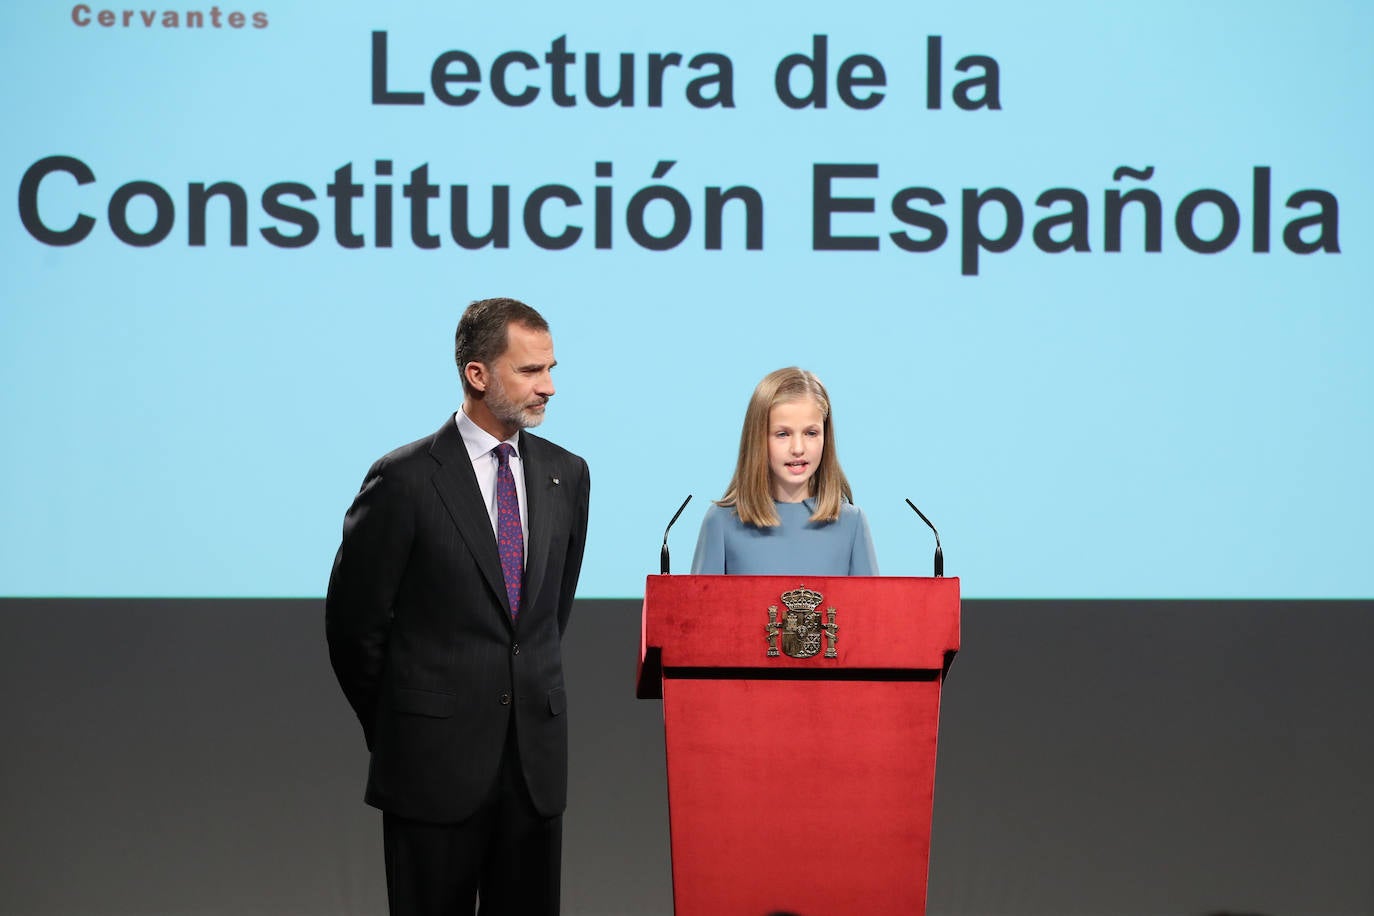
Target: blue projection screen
point(1091, 284)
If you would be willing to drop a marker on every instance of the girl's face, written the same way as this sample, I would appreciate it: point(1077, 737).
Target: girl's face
point(796, 439)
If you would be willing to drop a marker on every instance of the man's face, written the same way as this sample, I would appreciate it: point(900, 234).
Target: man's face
point(519, 383)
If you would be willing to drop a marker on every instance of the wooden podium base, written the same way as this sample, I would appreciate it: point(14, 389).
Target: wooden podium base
point(806, 797)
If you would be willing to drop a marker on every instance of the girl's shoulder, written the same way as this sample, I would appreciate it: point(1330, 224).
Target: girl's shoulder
point(716, 514)
point(849, 511)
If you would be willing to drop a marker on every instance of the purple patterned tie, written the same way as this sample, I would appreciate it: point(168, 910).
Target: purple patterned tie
point(510, 540)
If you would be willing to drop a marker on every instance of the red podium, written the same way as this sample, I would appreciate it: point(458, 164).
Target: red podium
point(801, 718)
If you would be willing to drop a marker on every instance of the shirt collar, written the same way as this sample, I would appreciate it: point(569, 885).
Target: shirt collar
point(479, 442)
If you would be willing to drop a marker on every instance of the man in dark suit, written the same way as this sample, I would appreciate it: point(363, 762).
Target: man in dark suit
point(446, 608)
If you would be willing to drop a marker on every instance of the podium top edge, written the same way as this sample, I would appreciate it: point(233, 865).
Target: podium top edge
point(656, 577)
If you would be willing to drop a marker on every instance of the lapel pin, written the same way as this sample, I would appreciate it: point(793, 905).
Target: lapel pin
point(554, 478)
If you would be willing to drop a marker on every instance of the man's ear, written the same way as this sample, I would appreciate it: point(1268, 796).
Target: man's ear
point(476, 375)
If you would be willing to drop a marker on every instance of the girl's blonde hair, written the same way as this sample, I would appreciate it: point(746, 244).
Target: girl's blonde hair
point(750, 490)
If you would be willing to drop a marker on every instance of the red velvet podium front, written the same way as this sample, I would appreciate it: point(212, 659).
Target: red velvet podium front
point(799, 784)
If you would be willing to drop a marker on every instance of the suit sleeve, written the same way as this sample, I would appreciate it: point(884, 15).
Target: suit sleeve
point(863, 559)
point(577, 543)
point(377, 535)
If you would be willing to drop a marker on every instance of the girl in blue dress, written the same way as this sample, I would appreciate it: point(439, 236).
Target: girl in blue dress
point(789, 509)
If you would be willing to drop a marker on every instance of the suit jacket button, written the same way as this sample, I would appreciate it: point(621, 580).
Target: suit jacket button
point(505, 699)
point(515, 649)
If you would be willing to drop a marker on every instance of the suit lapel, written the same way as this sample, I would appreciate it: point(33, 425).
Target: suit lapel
point(457, 486)
point(541, 482)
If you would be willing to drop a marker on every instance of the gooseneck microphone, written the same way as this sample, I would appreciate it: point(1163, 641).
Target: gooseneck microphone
point(939, 554)
point(663, 554)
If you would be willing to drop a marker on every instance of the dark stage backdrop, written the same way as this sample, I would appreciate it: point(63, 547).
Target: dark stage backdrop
point(1097, 757)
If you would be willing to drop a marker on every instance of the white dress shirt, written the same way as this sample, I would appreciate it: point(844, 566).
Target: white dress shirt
point(481, 447)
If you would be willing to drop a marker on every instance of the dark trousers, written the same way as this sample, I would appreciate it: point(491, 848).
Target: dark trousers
point(506, 855)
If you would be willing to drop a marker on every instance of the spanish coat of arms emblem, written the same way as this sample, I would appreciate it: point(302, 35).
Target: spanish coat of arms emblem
point(801, 627)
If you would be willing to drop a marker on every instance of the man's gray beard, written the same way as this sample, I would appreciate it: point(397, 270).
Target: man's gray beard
point(507, 411)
